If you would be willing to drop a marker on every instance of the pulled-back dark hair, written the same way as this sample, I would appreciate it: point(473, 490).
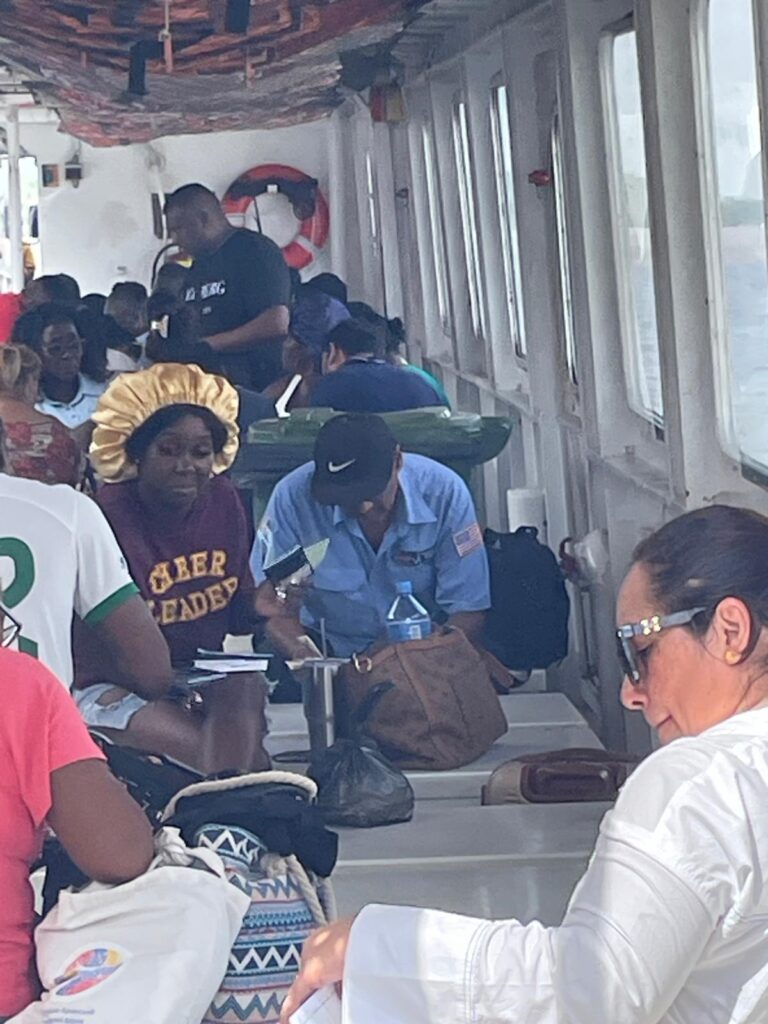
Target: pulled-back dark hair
point(140, 440)
point(707, 555)
point(353, 338)
point(391, 333)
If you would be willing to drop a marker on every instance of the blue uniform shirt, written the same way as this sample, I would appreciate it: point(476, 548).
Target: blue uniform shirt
point(371, 385)
point(434, 541)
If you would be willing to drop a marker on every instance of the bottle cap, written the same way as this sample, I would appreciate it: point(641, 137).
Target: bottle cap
point(404, 587)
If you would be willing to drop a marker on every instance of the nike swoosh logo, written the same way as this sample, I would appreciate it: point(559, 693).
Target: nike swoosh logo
point(339, 467)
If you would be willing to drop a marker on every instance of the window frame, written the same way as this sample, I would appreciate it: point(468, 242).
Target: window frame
point(434, 207)
point(470, 228)
point(566, 319)
point(630, 341)
point(506, 204)
point(372, 200)
point(717, 295)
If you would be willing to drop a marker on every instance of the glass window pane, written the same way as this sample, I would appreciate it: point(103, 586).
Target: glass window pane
point(633, 234)
point(505, 196)
point(738, 150)
point(370, 185)
point(462, 153)
point(436, 226)
point(564, 264)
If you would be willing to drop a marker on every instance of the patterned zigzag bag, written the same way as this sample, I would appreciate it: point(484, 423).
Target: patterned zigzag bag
point(287, 903)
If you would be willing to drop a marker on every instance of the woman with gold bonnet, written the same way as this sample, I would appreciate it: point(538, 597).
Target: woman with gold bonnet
point(163, 438)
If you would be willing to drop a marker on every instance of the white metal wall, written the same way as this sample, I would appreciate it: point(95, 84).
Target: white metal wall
point(602, 465)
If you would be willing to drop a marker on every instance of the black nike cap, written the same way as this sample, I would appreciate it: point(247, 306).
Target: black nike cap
point(354, 456)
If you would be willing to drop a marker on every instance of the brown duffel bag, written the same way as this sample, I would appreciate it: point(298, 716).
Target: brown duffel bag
point(560, 776)
point(442, 710)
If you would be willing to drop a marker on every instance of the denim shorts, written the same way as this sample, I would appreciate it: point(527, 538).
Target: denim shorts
point(106, 716)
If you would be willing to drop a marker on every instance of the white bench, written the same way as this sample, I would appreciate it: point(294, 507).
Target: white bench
point(517, 861)
point(537, 722)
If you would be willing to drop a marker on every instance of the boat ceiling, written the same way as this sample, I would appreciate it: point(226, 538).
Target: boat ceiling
point(231, 64)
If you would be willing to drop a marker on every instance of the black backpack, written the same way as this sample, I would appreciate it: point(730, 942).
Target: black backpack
point(527, 625)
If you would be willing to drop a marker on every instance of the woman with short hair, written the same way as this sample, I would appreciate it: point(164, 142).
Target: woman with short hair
point(66, 391)
point(668, 925)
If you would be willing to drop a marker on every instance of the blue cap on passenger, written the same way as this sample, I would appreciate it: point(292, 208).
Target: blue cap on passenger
point(314, 317)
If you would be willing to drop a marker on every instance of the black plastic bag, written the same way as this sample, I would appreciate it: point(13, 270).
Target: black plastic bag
point(357, 786)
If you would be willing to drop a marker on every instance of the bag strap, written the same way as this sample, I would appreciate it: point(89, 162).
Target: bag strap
point(307, 889)
point(241, 782)
point(172, 851)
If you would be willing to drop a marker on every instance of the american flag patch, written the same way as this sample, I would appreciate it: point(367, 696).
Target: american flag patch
point(467, 541)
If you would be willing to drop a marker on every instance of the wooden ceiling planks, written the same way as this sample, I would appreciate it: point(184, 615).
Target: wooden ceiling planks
point(283, 69)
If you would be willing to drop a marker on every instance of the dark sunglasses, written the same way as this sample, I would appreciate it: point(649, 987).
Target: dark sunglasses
point(626, 650)
point(11, 628)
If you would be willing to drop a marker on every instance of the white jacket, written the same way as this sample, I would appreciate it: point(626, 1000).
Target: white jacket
point(669, 924)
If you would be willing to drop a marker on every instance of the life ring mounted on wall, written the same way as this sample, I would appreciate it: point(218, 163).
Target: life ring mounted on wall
point(303, 192)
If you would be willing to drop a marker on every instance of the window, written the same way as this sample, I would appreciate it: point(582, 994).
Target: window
point(505, 196)
point(740, 295)
point(632, 233)
point(564, 264)
point(463, 155)
point(436, 227)
point(370, 188)
point(30, 199)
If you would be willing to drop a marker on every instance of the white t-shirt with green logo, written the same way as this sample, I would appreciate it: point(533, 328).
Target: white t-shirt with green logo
point(58, 556)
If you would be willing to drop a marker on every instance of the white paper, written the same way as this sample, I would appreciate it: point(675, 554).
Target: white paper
point(323, 1007)
point(233, 664)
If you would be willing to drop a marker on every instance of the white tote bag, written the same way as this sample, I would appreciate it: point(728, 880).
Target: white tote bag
point(151, 951)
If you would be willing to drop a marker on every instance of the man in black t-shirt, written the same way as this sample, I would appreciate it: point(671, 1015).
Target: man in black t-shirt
point(239, 283)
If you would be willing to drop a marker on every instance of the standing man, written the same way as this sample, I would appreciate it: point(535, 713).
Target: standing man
point(239, 282)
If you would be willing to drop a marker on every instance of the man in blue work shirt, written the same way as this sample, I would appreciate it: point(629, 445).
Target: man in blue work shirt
point(388, 517)
point(356, 377)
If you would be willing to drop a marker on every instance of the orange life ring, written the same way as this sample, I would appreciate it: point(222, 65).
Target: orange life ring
point(312, 232)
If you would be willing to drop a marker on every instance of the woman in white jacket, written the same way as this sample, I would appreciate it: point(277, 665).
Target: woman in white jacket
point(670, 922)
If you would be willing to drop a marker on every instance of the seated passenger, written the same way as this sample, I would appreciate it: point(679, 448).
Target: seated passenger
point(313, 318)
point(163, 437)
point(327, 284)
point(172, 277)
point(60, 289)
point(38, 446)
point(52, 775)
point(94, 301)
point(389, 517)
point(391, 335)
point(65, 391)
point(10, 311)
point(357, 379)
point(106, 346)
point(126, 306)
point(60, 559)
point(668, 924)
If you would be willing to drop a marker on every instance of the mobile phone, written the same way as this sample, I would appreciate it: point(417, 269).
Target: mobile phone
point(297, 566)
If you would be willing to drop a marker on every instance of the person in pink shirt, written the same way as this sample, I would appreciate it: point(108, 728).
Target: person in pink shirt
point(52, 774)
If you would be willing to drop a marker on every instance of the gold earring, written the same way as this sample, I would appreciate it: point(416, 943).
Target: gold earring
point(732, 657)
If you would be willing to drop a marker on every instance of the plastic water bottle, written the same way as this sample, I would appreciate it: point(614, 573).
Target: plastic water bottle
point(407, 619)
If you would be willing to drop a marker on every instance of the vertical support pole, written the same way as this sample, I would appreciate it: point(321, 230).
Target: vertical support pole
point(14, 200)
point(337, 195)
